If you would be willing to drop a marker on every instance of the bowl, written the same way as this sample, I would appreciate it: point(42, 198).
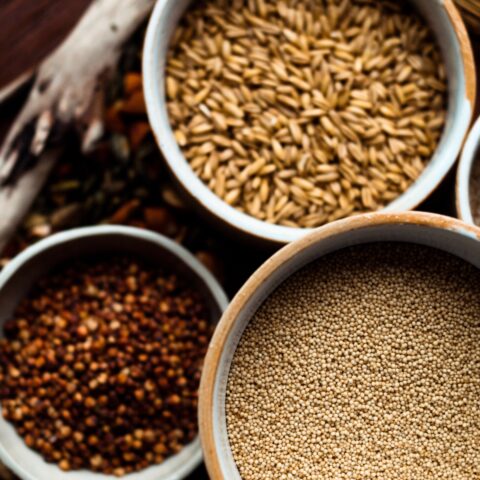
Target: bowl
point(19, 275)
point(443, 233)
point(452, 37)
point(464, 172)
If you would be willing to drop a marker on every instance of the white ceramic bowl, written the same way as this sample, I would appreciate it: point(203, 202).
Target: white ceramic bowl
point(467, 160)
point(443, 233)
point(19, 275)
point(453, 39)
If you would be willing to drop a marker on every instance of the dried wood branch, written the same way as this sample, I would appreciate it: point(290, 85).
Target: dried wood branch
point(67, 94)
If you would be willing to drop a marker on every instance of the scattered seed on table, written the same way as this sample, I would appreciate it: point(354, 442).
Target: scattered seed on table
point(364, 365)
point(297, 86)
point(100, 365)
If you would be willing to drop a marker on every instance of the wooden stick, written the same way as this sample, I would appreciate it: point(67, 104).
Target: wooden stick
point(66, 94)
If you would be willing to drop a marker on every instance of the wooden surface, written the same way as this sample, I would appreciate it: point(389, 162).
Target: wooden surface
point(30, 30)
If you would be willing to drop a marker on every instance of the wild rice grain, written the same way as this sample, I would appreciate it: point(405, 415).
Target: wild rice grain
point(364, 365)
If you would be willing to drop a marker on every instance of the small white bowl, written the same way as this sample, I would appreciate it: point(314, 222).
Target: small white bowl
point(20, 274)
point(469, 155)
point(443, 233)
point(453, 39)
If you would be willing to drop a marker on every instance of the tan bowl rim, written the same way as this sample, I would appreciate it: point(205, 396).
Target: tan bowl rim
point(224, 327)
point(244, 224)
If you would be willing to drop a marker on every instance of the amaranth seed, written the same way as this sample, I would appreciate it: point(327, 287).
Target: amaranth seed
point(364, 365)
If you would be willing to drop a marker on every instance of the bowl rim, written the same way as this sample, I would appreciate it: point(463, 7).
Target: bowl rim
point(208, 202)
point(284, 255)
point(464, 172)
point(216, 291)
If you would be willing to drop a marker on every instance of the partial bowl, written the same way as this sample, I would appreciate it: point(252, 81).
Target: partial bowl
point(22, 272)
point(442, 233)
point(452, 37)
point(469, 156)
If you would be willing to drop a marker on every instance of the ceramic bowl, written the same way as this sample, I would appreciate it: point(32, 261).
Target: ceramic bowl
point(452, 37)
point(443, 233)
point(465, 167)
point(19, 275)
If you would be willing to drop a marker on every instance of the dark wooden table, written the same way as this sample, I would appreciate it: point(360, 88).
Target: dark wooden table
point(41, 24)
point(31, 29)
